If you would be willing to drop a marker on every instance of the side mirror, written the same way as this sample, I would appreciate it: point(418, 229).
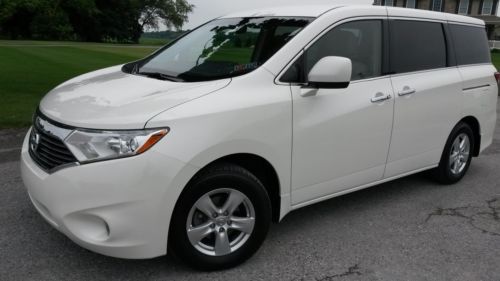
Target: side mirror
point(331, 73)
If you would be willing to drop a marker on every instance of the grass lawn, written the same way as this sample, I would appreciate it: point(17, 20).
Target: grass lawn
point(29, 69)
point(495, 58)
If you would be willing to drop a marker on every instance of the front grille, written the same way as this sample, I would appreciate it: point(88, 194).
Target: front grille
point(46, 149)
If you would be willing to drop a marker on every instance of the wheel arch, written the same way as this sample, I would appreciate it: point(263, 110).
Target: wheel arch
point(476, 129)
point(259, 167)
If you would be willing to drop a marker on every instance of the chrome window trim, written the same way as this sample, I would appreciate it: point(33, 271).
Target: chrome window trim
point(423, 71)
point(410, 18)
point(297, 56)
point(466, 24)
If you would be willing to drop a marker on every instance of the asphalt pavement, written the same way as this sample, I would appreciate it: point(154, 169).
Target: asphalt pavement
point(409, 229)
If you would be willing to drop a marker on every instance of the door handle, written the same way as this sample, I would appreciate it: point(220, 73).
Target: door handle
point(407, 91)
point(380, 97)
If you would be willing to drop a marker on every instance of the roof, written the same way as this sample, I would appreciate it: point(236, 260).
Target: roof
point(288, 11)
point(426, 14)
point(318, 10)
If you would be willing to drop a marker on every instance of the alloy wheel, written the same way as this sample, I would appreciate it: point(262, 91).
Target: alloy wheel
point(220, 222)
point(459, 154)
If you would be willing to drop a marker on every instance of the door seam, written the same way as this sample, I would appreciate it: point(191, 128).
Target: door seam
point(392, 127)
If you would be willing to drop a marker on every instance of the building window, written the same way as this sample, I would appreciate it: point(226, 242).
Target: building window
point(463, 7)
point(411, 4)
point(388, 2)
point(437, 5)
point(487, 7)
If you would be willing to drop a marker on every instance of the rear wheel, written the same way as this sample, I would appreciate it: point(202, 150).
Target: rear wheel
point(221, 219)
point(457, 155)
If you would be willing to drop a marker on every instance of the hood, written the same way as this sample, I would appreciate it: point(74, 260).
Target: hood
point(112, 99)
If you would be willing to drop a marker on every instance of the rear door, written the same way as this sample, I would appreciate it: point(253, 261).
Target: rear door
point(427, 87)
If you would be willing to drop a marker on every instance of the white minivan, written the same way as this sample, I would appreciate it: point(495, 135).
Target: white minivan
point(199, 146)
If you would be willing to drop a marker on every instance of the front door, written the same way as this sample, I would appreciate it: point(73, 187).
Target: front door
point(341, 136)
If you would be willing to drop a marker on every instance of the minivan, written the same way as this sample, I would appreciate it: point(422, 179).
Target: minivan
point(198, 147)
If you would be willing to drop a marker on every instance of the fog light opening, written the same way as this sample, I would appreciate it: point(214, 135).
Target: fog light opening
point(88, 227)
point(107, 229)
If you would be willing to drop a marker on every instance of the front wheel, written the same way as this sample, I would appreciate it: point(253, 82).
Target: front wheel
point(457, 155)
point(221, 219)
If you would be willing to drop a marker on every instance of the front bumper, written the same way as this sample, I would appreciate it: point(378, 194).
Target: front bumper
point(119, 208)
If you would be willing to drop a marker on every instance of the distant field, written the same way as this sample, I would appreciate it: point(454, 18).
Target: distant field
point(153, 41)
point(29, 69)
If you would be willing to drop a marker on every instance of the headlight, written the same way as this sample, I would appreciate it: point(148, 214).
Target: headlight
point(90, 145)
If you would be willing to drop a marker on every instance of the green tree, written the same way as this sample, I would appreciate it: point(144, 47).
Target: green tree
point(118, 21)
point(84, 18)
point(51, 21)
point(89, 20)
point(16, 17)
point(172, 13)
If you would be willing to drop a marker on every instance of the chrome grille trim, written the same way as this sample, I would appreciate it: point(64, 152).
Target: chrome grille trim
point(47, 148)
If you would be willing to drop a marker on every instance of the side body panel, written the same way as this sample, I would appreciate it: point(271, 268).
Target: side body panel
point(423, 120)
point(252, 115)
point(479, 98)
point(340, 138)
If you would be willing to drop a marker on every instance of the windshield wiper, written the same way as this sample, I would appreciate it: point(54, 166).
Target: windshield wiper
point(160, 76)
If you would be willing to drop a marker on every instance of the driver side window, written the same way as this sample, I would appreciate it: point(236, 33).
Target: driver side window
point(360, 41)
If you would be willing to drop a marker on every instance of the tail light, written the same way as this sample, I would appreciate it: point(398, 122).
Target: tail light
point(497, 76)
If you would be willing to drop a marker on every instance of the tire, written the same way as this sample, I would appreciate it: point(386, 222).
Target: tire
point(227, 239)
point(449, 170)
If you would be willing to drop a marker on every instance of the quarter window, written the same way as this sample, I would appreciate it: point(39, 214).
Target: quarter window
point(388, 2)
point(471, 44)
point(487, 7)
point(463, 7)
point(417, 45)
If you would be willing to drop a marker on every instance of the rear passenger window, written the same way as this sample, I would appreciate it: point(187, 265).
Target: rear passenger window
point(471, 44)
point(417, 45)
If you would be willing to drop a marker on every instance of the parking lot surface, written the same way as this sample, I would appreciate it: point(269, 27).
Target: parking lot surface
point(409, 229)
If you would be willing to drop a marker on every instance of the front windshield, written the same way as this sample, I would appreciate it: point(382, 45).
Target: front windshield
point(223, 48)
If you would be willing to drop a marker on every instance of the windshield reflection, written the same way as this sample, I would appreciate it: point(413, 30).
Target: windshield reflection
point(222, 48)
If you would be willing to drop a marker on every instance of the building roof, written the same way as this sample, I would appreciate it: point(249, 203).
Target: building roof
point(489, 19)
